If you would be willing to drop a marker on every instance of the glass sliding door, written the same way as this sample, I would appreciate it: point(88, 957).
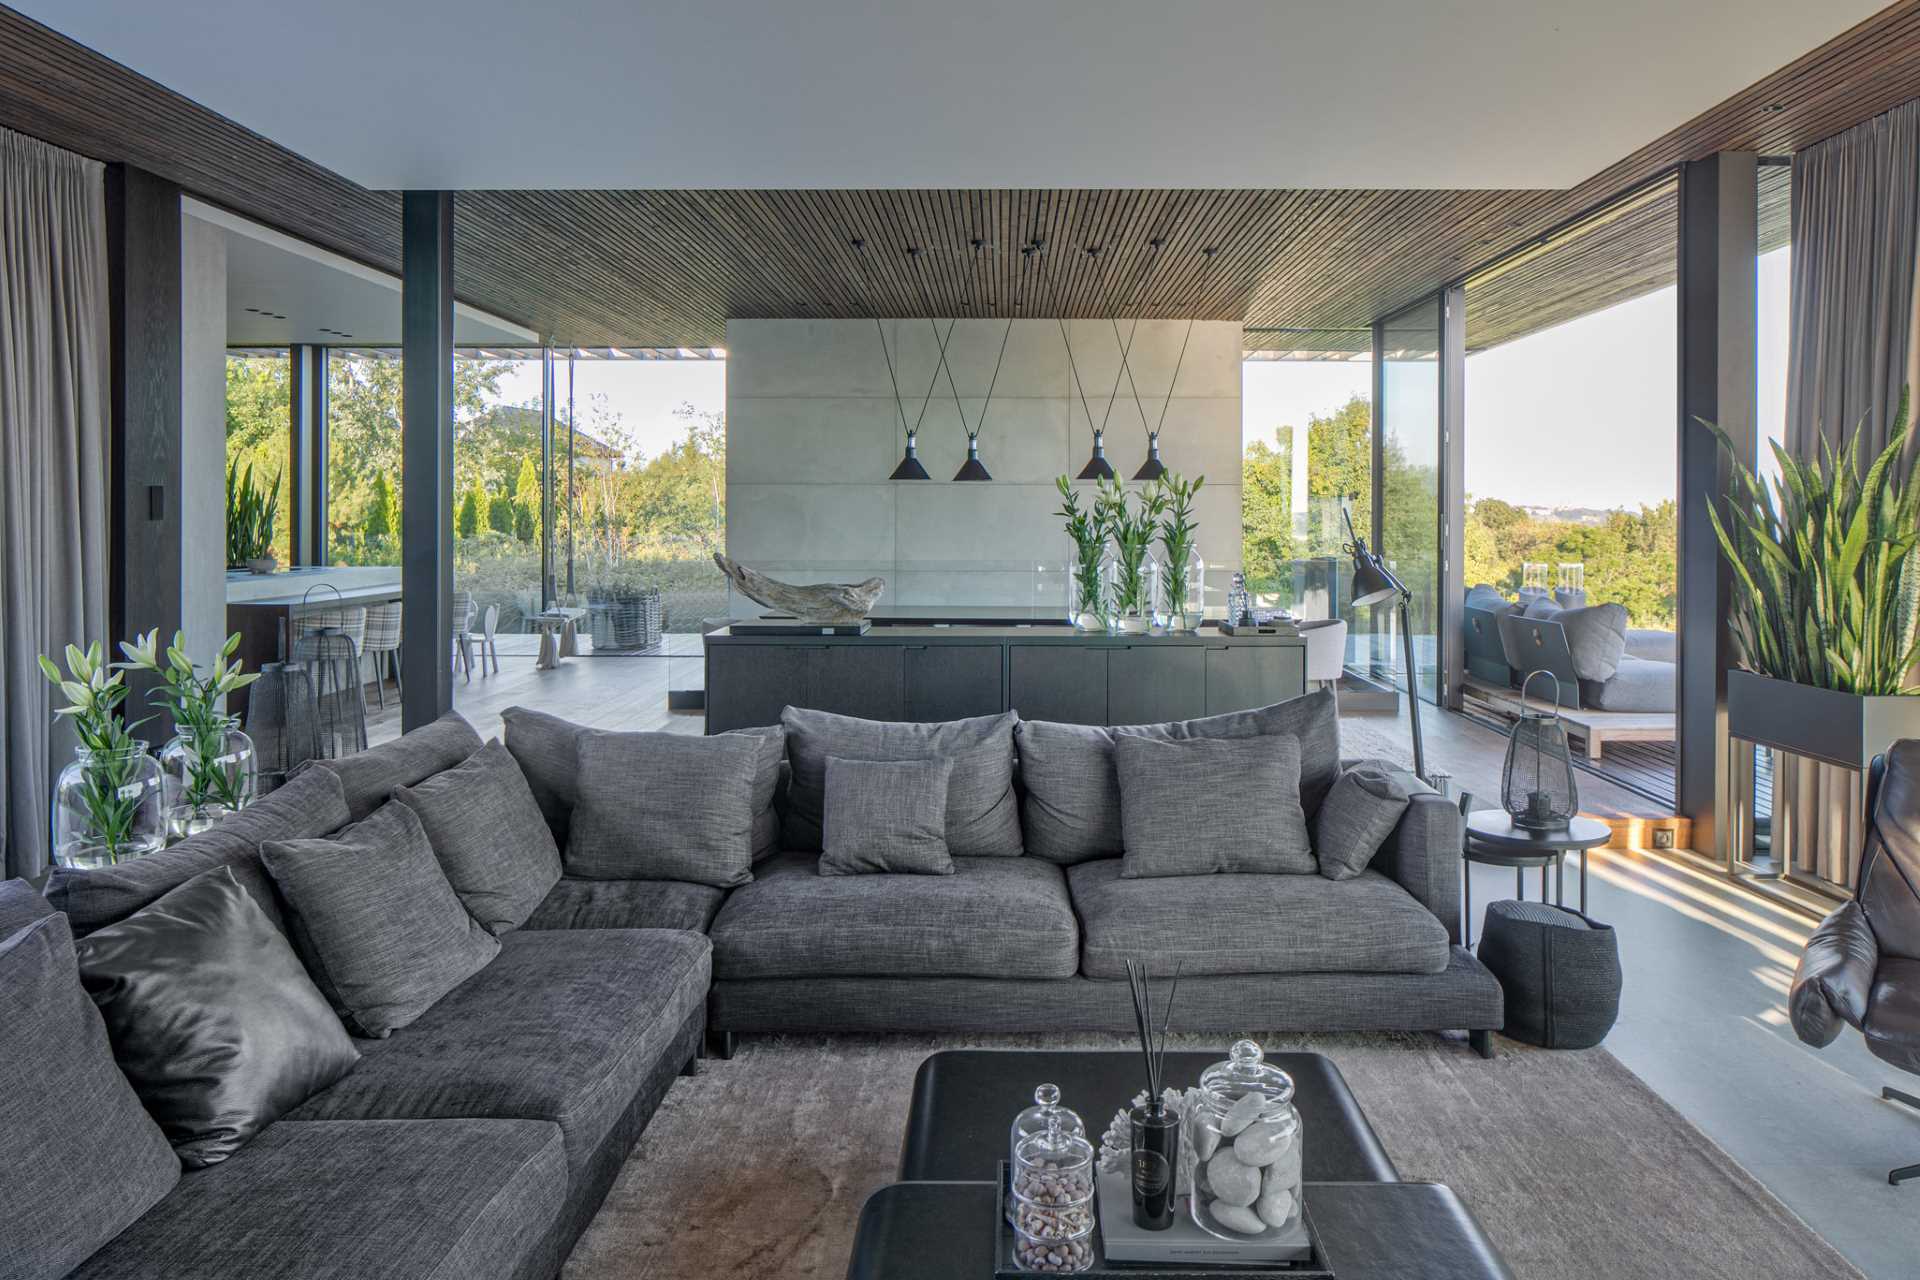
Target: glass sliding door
point(1407, 425)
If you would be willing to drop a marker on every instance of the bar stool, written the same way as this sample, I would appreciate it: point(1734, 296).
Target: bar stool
point(330, 646)
point(382, 645)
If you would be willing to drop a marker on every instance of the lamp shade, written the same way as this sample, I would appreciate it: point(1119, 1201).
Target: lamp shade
point(1097, 468)
point(910, 468)
point(1152, 468)
point(1373, 582)
point(972, 468)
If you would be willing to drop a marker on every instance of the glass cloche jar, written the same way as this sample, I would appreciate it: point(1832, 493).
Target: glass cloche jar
point(1037, 1119)
point(1052, 1198)
point(1243, 1147)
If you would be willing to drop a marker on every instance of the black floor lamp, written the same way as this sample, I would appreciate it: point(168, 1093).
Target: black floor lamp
point(1373, 582)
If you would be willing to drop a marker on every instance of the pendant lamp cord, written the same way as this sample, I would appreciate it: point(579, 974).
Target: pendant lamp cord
point(926, 303)
point(1126, 348)
point(1164, 404)
point(899, 405)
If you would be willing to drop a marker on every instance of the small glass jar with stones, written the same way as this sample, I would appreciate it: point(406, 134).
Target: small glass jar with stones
point(1036, 1118)
point(1052, 1199)
point(1242, 1147)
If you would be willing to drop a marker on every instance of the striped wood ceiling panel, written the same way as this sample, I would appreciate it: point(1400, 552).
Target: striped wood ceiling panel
point(668, 268)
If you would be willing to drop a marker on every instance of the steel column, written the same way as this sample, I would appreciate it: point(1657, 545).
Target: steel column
point(426, 490)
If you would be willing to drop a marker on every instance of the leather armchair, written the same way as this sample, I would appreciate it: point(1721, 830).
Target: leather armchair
point(1861, 967)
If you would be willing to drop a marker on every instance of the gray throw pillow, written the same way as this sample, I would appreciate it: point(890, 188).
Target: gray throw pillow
point(1597, 638)
point(212, 1017)
point(487, 830)
point(84, 1159)
point(370, 911)
point(1360, 812)
point(21, 905)
point(886, 815)
point(664, 806)
point(369, 777)
point(1204, 805)
point(547, 750)
point(310, 805)
point(983, 813)
point(1071, 809)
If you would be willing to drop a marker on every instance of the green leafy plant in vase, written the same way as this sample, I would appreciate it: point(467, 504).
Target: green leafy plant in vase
point(1132, 520)
point(106, 801)
point(251, 515)
point(1184, 572)
point(1086, 587)
point(209, 763)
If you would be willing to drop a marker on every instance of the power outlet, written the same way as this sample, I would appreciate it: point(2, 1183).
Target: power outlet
point(1663, 837)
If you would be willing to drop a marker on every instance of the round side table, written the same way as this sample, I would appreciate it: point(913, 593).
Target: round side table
point(1493, 840)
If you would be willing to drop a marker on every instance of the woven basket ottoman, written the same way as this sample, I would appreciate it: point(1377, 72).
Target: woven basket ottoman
point(1560, 971)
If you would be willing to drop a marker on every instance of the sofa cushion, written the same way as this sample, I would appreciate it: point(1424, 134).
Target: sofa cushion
point(212, 1018)
point(563, 1026)
point(369, 777)
point(489, 835)
point(627, 904)
point(1252, 924)
point(886, 815)
point(1173, 825)
point(1892, 1024)
point(547, 750)
point(310, 805)
point(428, 1199)
point(1596, 637)
point(983, 814)
point(374, 918)
point(83, 1159)
point(1484, 595)
point(664, 806)
point(1359, 814)
point(1638, 684)
point(1071, 810)
point(992, 918)
point(21, 905)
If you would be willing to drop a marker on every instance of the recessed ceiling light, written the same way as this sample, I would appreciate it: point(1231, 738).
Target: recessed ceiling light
point(1776, 106)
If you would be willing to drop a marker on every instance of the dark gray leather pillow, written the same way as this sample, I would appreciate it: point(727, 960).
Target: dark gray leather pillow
point(547, 750)
point(1358, 815)
point(1071, 810)
point(212, 1017)
point(664, 806)
point(21, 905)
point(487, 830)
point(84, 1159)
point(886, 815)
point(310, 805)
point(1597, 638)
point(983, 812)
point(371, 913)
point(1203, 805)
point(369, 777)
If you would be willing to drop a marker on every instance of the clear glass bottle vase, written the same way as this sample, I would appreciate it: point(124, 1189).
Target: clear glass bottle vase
point(210, 774)
point(107, 807)
point(1087, 594)
point(1183, 592)
point(1133, 595)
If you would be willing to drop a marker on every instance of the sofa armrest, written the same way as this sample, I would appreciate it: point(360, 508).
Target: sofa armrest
point(1835, 977)
point(1423, 853)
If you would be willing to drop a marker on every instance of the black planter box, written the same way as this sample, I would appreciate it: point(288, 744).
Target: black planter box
point(1846, 729)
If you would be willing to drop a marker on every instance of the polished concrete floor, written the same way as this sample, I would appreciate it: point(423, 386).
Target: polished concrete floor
point(1707, 964)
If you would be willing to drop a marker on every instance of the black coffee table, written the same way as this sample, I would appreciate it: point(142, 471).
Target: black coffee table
point(938, 1224)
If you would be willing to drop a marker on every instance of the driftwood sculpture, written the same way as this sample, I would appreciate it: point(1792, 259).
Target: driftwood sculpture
point(827, 603)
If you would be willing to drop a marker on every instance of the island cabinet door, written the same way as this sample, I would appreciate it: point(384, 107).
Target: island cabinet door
point(1066, 683)
point(954, 681)
point(864, 680)
point(1243, 676)
point(1150, 683)
point(748, 684)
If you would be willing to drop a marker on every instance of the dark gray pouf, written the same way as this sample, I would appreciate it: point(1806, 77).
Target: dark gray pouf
point(1560, 971)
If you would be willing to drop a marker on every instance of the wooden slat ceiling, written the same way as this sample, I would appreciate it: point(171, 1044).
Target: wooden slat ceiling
point(1304, 269)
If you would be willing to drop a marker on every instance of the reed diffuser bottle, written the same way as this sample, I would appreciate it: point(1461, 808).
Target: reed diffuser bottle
point(1156, 1130)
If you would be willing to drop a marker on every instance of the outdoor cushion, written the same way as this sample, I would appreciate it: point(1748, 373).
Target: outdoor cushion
point(1360, 812)
point(1596, 637)
point(20, 905)
point(83, 1159)
point(1538, 604)
point(310, 805)
point(992, 918)
point(369, 777)
point(886, 815)
point(563, 1026)
point(1200, 806)
point(1071, 810)
point(627, 904)
point(424, 1199)
point(1639, 684)
point(212, 1018)
point(488, 833)
point(983, 814)
point(1252, 924)
point(374, 918)
point(1652, 644)
point(1484, 595)
point(664, 806)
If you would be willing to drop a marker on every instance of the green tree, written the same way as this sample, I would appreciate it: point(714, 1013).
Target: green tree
point(467, 522)
point(500, 512)
point(1339, 465)
point(526, 500)
point(258, 429)
point(383, 515)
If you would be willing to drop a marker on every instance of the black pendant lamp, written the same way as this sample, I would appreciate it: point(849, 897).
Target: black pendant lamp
point(1152, 468)
point(910, 468)
point(1097, 468)
point(972, 468)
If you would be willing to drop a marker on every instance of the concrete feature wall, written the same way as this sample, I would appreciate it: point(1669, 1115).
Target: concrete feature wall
point(813, 431)
point(203, 442)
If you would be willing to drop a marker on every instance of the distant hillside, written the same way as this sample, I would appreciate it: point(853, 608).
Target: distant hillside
point(1568, 515)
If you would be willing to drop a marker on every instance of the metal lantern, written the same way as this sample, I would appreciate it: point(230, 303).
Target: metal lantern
point(1537, 786)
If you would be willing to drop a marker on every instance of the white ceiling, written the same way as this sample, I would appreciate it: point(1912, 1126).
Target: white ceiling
point(957, 93)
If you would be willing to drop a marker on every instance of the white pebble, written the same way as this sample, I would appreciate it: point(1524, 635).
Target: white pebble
point(1239, 1218)
point(1230, 1180)
point(1243, 1113)
point(1261, 1144)
point(1274, 1207)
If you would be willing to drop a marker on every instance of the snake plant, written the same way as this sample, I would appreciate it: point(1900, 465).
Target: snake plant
point(251, 513)
point(1826, 578)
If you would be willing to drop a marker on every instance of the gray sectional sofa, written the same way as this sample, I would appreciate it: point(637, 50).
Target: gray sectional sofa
point(480, 1139)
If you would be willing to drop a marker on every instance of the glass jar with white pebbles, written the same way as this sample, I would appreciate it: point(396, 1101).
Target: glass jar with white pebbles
point(1242, 1147)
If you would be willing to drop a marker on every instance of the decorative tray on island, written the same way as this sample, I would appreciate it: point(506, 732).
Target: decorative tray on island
point(1182, 1252)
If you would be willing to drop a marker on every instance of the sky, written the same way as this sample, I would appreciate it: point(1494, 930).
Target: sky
point(1581, 415)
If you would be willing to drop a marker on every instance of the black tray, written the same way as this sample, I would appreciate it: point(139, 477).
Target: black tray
point(1006, 1265)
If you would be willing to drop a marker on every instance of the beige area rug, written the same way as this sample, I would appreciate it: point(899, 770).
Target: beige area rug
point(758, 1167)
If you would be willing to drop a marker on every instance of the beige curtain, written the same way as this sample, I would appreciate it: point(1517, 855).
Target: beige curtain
point(53, 461)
